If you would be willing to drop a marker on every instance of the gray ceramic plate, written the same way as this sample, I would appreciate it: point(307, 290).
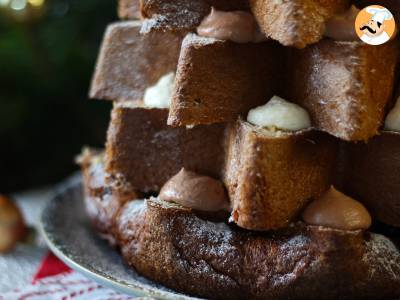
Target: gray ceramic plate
point(67, 232)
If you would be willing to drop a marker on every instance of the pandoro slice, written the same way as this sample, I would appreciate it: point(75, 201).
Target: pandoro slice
point(184, 14)
point(129, 9)
point(171, 245)
point(372, 175)
point(145, 152)
point(129, 61)
point(295, 23)
point(271, 176)
point(217, 80)
point(103, 196)
point(345, 86)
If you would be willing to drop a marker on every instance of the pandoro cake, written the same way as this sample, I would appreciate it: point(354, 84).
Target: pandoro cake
point(371, 170)
point(130, 61)
point(145, 152)
point(252, 149)
point(296, 23)
point(218, 80)
point(129, 9)
point(345, 85)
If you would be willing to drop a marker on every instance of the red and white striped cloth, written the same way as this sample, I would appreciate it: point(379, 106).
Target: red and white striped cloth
point(55, 281)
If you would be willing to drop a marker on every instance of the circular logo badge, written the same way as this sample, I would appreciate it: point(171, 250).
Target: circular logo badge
point(375, 25)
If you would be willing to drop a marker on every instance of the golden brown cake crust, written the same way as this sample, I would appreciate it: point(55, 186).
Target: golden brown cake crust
point(172, 246)
point(218, 80)
point(129, 62)
point(103, 197)
point(146, 152)
point(295, 23)
point(345, 86)
point(129, 9)
point(184, 14)
point(270, 177)
point(372, 175)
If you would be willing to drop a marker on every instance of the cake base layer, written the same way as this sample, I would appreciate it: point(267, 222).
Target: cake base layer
point(171, 245)
point(372, 174)
point(176, 247)
point(271, 176)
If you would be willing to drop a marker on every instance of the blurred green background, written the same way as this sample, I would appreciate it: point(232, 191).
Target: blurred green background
point(48, 50)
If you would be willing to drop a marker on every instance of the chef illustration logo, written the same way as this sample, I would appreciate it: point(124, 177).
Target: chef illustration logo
point(375, 25)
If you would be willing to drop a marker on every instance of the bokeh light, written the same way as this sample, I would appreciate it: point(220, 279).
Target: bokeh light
point(48, 51)
point(36, 2)
point(18, 4)
point(4, 2)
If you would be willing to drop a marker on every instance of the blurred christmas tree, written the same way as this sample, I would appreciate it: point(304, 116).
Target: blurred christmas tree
point(48, 50)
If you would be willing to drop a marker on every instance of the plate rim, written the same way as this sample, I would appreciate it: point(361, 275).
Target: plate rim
point(136, 289)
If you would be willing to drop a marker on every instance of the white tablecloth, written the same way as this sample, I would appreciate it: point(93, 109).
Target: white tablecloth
point(18, 267)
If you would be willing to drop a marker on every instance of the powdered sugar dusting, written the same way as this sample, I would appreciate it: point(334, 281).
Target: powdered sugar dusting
point(130, 210)
point(382, 255)
point(129, 104)
point(177, 15)
point(219, 238)
point(194, 39)
point(156, 22)
point(218, 232)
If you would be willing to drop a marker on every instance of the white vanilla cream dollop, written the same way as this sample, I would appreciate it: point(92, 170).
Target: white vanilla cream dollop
point(281, 114)
point(393, 118)
point(160, 94)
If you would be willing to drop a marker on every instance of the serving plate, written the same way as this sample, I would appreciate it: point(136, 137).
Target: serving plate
point(68, 233)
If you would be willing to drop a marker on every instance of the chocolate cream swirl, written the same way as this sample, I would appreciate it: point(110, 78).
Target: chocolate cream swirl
point(235, 26)
point(336, 210)
point(195, 191)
